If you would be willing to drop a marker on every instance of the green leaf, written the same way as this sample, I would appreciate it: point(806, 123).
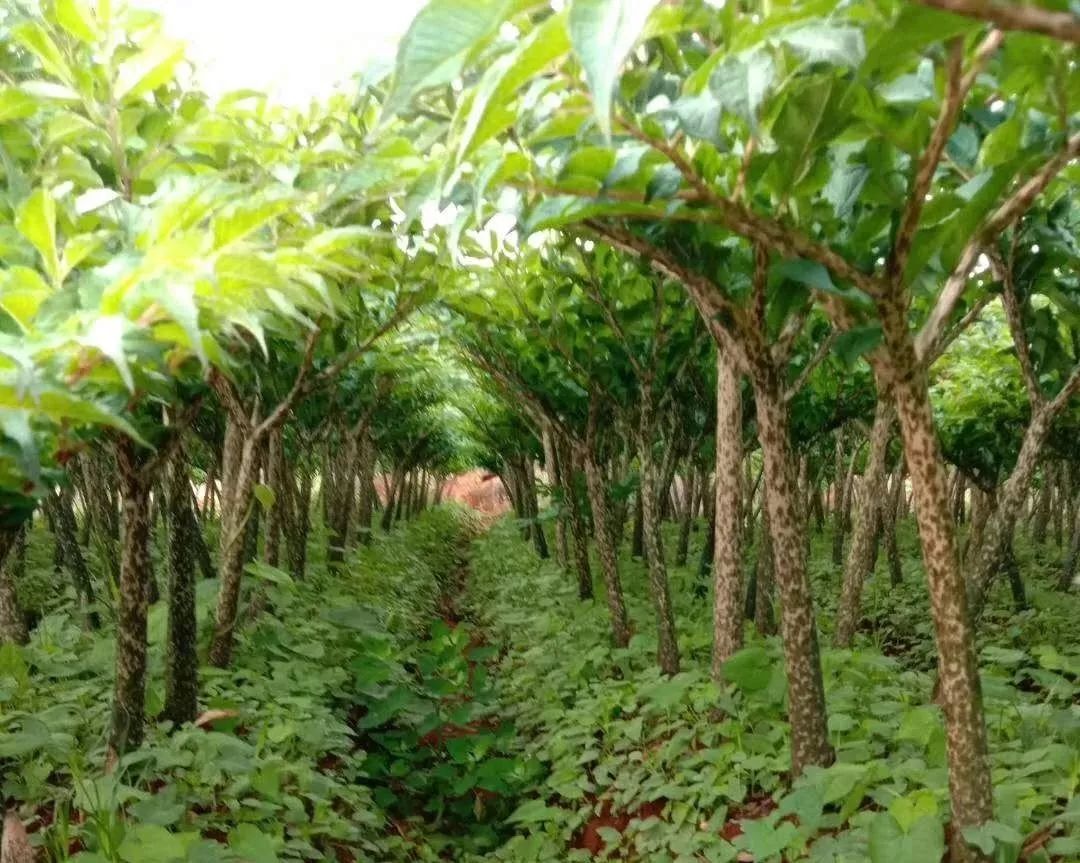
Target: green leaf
point(1002, 144)
point(152, 843)
point(827, 43)
point(22, 291)
point(149, 69)
point(77, 18)
point(533, 812)
point(437, 44)
point(266, 572)
point(16, 104)
point(855, 343)
point(490, 111)
point(741, 84)
point(603, 33)
point(809, 273)
point(265, 495)
point(36, 39)
point(750, 669)
point(36, 220)
point(924, 842)
point(252, 845)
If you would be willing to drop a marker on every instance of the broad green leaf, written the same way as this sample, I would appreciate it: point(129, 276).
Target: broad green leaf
point(826, 43)
point(22, 291)
point(16, 104)
point(77, 18)
point(36, 220)
point(533, 812)
point(63, 407)
point(152, 843)
point(855, 343)
point(253, 845)
point(603, 33)
point(266, 572)
point(94, 199)
point(33, 36)
point(437, 44)
point(15, 425)
point(265, 495)
point(149, 69)
point(490, 111)
point(925, 840)
point(741, 84)
point(750, 669)
point(244, 217)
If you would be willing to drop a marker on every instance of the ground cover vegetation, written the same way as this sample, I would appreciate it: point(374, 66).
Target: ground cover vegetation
point(621, 430)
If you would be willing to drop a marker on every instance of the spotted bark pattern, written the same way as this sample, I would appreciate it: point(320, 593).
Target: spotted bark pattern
point(727, 533)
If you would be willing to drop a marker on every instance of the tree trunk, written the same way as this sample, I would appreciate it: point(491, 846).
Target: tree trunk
point(667, 645)
point(760, 596)
point(275, 479)
point(687, 521)
point(296, 544)
point(1068, 570)
point(969, 766)
point(533, 504)
point(236, 504)
point(12, 620)
point(727, 508)
point(396, 478)
point(365, 472)
point(67, 541)
point(129, 698)
point(579, 530)
point(637, 542)
point(1041, 518)
point(557, 484)
point(181, 658)
point(708, 546)
point(787, 525)
point(864, 539)
point(1010, 500)
point(605, 549)
point(1016, 582)
point(892, 547)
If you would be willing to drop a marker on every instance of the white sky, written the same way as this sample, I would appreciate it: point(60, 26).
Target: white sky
point(296, 50)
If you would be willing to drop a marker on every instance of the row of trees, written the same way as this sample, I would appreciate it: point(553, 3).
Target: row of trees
point(865, 181)
point(195, 292)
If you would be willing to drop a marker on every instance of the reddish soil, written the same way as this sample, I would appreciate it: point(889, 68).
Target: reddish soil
point(589, 837)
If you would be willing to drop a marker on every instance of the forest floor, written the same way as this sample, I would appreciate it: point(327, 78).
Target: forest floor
point(448, 697)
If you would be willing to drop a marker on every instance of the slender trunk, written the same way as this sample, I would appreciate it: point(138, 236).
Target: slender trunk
point(129, 698)
point(759, 597)
point(637, 542)
point(557, 485)
point(892, 547)
point(579, 530)
point(533, 504)
point(1041, 518)
point(965, 726)
point(67, 541)
point(1010, 500)
point(1016, 582)
point(396, 479)
point(236, 506)
point(864, 539)
point(605, 549)
point(667, 645)
point(683, 548)
point(708, 546)
point(727, 506)
point(275, 479)
point(296, 546)
point(12, 620)
point(181, 658)
point(787, 525)
point(365, 472)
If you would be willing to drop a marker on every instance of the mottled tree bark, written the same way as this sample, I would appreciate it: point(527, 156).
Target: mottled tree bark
point(667, 646)
point(727, 508)
point(605, 549)
point(1040, 520)
point(12, 620)
point(67, 540)
point(579, 530)
point(296, 541)
point(557, 484)
point(129, 697)
point(1069, 567)
point(961, 692)
point(787, 526)
point(181, 657)
point(687, 519)
point(275, 479)
point(864, 538)
point(365, 472)
point(888, 528)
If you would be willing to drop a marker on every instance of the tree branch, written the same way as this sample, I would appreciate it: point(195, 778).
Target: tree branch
point(814, 361)
point(1015, 16)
